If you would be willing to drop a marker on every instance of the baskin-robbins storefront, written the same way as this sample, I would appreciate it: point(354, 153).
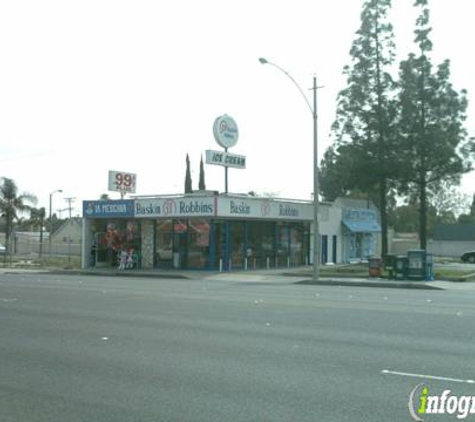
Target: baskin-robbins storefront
point(198, 231)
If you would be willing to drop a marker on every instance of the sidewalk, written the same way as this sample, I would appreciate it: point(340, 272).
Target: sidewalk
point(299, 275)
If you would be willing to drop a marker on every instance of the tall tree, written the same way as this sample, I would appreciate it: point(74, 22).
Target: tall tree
point(366, 110)
point(472, 207)
point(202, 184)
point(188, 184)
point(11, 204)
point(332, 174)
point(434, 142)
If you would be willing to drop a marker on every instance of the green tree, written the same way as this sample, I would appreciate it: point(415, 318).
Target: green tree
point(188, 184)
point(366, 110)
point(472, 207)
point(447, 201)
point(11, 204)
point(202, 184)
point(470, 217)
point(434, 142)
point(333, 173)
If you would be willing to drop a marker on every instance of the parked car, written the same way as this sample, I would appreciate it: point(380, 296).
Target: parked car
point(468, 257)
point(2, 249)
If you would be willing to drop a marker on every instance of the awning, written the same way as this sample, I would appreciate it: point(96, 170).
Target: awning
point(362, 226)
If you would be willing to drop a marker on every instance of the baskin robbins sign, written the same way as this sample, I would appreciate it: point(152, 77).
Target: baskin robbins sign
point(264, 208)
point(175, 207)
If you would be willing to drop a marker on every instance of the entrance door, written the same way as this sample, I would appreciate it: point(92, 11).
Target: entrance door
point(102, 255)
point(180, 244)
point(324, 249)
point(334, 249)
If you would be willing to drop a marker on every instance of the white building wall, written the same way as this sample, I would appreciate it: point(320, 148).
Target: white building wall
point(453, 249)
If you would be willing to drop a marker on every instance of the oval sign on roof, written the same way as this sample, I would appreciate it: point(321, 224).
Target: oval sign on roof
point(225, 131)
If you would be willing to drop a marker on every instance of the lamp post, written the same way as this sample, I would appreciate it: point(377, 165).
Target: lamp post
point(316, 188)
point(51, 217)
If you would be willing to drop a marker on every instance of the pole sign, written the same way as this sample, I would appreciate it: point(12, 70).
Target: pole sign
point(225, 131)
point(226, 159)
point(120, 181)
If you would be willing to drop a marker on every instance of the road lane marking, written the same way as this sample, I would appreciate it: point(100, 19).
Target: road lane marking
point(432, 377)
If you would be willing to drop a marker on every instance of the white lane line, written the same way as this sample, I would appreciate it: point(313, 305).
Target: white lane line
point(431, 377)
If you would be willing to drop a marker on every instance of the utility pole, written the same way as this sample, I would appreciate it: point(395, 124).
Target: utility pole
point(70, 207)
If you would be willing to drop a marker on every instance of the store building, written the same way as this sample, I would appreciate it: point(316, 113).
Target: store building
point(211, 231)
point(360, 228)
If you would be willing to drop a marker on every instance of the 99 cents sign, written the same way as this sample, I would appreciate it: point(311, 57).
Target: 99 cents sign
point(123, 182)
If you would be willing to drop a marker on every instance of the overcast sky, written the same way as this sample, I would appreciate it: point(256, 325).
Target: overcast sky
point(91, 86)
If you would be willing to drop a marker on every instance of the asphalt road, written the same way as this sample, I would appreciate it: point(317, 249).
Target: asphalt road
point(128, 349)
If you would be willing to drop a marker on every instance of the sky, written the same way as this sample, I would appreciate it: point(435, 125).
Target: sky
point(96, 85)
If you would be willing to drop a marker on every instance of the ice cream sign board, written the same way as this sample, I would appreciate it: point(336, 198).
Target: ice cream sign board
point(221, 158)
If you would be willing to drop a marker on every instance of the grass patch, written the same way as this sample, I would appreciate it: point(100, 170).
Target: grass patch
point(454, 274)
point(73, 262)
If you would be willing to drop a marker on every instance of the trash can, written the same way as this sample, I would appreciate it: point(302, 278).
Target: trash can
point(416, 264)
point(401, 267)
point(390, 265)
point(374, 266)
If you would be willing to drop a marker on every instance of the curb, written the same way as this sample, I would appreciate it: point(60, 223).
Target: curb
point(362, 283)
point(121, 274)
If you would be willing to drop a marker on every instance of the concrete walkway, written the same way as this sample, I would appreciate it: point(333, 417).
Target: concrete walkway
point(299, 275)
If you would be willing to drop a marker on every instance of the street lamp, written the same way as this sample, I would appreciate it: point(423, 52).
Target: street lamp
point(316, 188)
point(51, 217)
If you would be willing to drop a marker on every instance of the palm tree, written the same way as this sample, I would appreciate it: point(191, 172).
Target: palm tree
point(37, 219)
point(11, 203)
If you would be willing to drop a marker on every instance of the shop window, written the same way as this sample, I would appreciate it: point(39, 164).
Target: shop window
point(164, 243)
point(237, 244)
point(297, 244)
point(198, 243)
point(283, 245)
point(261, 244)
point(113, 236)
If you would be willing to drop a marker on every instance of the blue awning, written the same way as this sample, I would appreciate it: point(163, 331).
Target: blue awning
point(362, 226)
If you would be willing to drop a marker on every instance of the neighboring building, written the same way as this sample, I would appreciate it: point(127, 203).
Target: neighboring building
point(25, 243)
point(452, 240)
point(361, 230)
point(67, 239)
point(206, 230)
point(400, 243)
